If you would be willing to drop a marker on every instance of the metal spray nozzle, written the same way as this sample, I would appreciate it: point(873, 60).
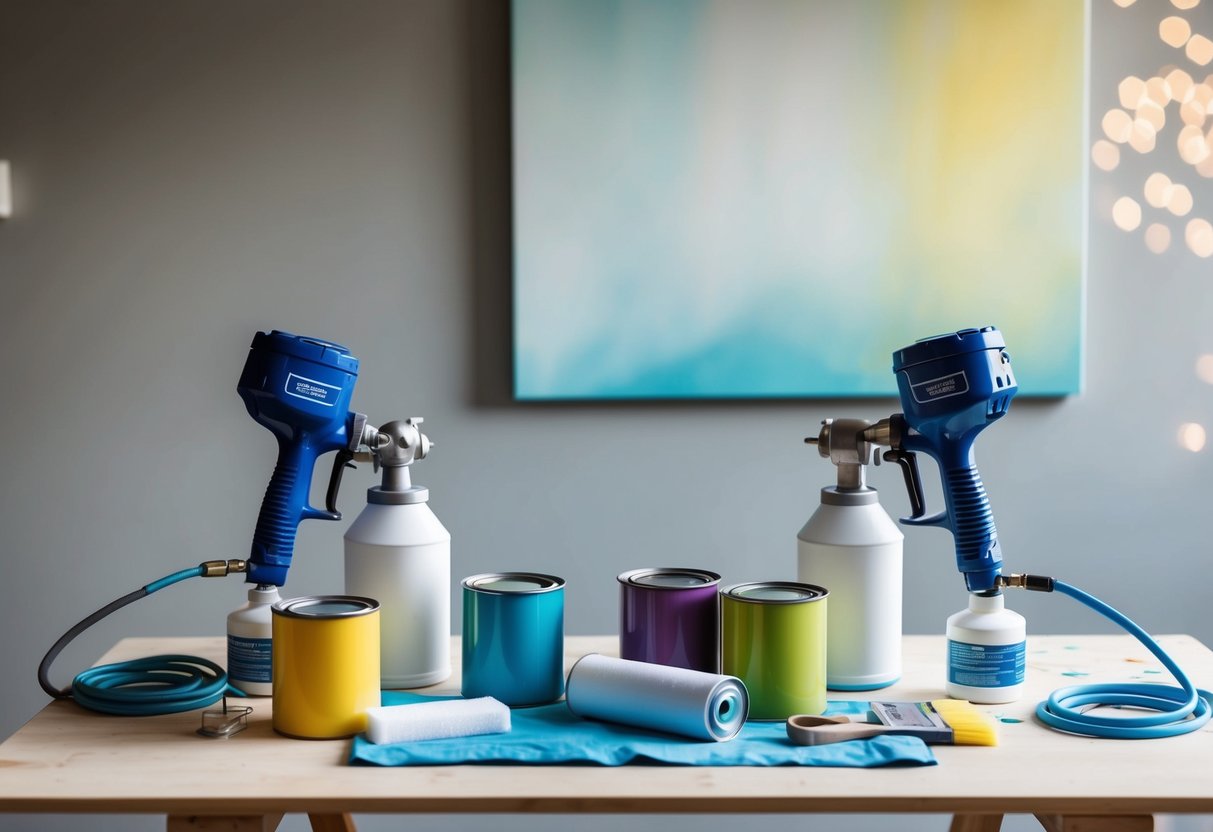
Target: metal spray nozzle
point(844, 442)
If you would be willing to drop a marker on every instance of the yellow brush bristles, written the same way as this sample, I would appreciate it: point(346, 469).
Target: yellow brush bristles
point(970, 726)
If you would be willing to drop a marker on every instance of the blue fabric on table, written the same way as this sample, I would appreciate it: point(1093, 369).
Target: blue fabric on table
point(551, 734)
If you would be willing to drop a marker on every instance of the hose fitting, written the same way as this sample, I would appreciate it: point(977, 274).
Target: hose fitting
point(1033, 583)
point(220, 568)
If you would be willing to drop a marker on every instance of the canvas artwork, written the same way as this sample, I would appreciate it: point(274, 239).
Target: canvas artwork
point(765, 199)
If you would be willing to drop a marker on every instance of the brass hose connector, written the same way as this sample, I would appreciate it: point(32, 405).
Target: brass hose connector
point(220, 568)
point(1019, 580)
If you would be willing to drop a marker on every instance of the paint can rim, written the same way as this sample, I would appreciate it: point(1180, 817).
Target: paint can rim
point(542, 583)
point(295, 607)
point(632, 577)
point(807, 593)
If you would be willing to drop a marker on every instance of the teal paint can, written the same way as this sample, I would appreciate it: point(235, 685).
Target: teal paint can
point(513, 637)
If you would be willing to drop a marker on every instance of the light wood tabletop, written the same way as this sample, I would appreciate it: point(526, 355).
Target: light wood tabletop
point(67, 759)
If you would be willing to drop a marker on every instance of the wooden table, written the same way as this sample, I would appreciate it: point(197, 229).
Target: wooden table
point(70, 760)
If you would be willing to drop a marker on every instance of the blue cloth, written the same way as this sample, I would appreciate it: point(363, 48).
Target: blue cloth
point(551, 734)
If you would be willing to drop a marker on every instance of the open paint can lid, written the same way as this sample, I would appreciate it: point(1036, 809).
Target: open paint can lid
point(325, 606)
point(513, 583)
point(669, 578)
point(776, 592)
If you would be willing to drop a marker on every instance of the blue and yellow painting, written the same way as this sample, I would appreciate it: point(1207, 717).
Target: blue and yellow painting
point(765, 199)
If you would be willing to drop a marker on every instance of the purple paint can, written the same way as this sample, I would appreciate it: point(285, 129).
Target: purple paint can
point(670, 616)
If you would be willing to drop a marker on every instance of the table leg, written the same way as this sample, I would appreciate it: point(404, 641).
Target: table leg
point(332, 823)
point(224, 823)
point(976, 823)
point(1097, 823)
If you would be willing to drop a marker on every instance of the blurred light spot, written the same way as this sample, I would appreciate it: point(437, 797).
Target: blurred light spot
point(1158, 189)
point(1193, 148)
point(1205, 168)
point(1158, 238)
point(1142, 135)
point(1203, 92)
point(1204, 368)
point(1124, 4)
point(1180, 201)
point(1180, 83)
point(1105, 155)
point(1117, 125)
point(1191, 437)
point(1199, 237)
point(1158, 91)
point(1192, 112)
point(1185, 4)
point(1151, 112)
point(1174, 31)
point(1132, 90)
point(1200, 49)
point(1126, 213)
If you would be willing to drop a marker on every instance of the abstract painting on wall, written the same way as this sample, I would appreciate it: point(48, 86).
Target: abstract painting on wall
point(720, 199)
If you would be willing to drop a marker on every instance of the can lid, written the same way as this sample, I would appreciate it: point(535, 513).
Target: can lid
point(776, 592)
point(513, 583)
point(669, 578)
point(326, 606)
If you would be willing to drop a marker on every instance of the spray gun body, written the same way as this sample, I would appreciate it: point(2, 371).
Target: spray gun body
point(300, 389)
point(952, 387)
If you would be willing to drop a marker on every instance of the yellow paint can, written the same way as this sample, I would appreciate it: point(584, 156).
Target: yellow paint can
point(325, 665)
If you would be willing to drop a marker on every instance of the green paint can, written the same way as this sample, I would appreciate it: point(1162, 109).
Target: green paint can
point(773, 638)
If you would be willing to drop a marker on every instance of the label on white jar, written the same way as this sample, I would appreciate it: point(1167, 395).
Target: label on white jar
point(249, 659)
point(986, 665)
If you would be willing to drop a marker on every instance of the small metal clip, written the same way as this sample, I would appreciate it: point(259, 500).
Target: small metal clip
point(224, 723)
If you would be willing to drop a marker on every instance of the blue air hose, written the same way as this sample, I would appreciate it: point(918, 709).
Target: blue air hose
point(147, 686)
point(1177, 709)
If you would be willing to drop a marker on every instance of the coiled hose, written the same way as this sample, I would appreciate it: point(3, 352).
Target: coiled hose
point(1176, 709)
point(152, 685)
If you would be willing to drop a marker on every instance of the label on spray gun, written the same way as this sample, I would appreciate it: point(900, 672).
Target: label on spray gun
point(986, 665)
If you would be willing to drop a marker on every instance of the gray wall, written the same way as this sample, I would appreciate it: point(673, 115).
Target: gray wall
point(187, 173)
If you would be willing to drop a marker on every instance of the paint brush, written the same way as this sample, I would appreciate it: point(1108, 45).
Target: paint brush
point(939, 722)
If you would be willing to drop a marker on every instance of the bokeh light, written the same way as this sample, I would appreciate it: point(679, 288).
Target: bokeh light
point(1191, 437)
point(1105, 155)
point(1151, 112)
point(1158, 189)
point(1204, 368)
point(1192, 113)
point(1117, 125)
point(1180, 201)
point(1158, 238)
point(1131, 90)
point(1180, 83)
point(1185, 4)
point(1126, 213)
point(1199, 49)
point(1158, 91)
point(1199, 237)
point(1193, 148)
point(1142, 136)
point(1174, 31)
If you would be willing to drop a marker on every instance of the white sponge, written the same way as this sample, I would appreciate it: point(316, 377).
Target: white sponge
point(442, 719)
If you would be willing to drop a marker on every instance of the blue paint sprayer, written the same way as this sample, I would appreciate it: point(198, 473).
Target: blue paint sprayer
point(300, 389)
point(952, 387)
